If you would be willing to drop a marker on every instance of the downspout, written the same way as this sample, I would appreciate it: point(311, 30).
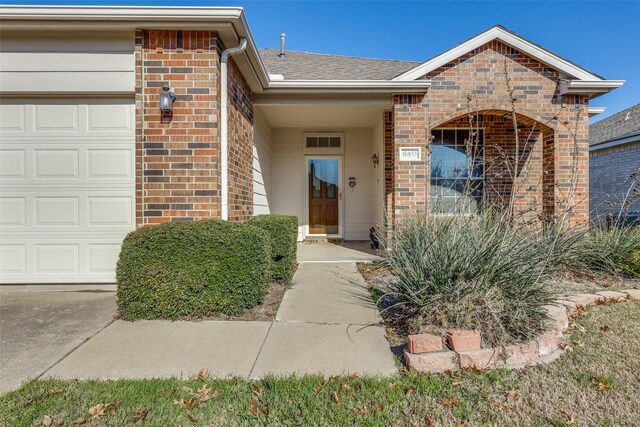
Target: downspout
point(224, 137)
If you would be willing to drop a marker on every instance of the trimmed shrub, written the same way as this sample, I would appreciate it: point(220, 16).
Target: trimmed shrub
point(464, 272)
point(192, 268)
point(283, 230)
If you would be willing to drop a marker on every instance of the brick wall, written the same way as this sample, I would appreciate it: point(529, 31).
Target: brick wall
point(611, 171)
point(476, 82)
point(240, 146)
point(177, 156)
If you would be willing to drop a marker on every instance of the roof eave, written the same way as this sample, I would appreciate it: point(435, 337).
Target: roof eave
point(347, 86)
point(593, 88)
point(626, 139)
point(497, 32)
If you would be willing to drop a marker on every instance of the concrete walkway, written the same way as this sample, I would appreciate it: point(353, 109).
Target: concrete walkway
point(326, 324)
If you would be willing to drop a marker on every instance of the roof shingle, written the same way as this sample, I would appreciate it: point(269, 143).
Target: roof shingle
point(623, 123)
point(316, 66)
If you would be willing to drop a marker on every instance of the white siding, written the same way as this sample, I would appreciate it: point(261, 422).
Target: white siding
point(359, 212)
point(67, 62)
point(378, 138)
point(67, 188)
point(261, 166)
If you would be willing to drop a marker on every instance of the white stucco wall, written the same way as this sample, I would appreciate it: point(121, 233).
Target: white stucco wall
point(262, 147)
point(288, 179)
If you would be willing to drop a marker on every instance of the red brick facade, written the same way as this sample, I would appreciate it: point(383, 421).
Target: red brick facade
point(177, 155)
point(553, 176)
point(240, 146)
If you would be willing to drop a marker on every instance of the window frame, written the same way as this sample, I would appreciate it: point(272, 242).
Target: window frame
point(483, 164)
point(322, 150)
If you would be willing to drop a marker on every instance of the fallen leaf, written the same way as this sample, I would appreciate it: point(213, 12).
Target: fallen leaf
point(456, 383)
point(454, 401)
point(192, 418)
point(317, 389)
point(410, 392)
point(46, 420)
point(139, 415)
point(601, 385)
point(604, 328)
point(336, 398)
point(55, 391)
point(202, 375)
point(567, 416)
point(499, 405)
point(189, 405)
point(346, 387)
point(98, 410)
point(361, 410)
point(80, 421)
point(114, 406)
point(430, 421)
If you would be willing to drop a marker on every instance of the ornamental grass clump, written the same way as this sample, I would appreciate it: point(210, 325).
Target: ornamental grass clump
point(473, 272)
point(613, 251)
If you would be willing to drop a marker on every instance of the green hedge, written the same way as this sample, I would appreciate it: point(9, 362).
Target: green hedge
point(192, 268)
point(283, 230)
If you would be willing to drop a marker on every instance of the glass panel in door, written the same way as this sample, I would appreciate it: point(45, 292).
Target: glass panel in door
point(324, 195)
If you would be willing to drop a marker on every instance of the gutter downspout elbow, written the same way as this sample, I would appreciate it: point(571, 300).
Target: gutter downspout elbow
point(224, 118)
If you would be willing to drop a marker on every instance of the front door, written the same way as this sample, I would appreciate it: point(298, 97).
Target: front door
point(324, 195)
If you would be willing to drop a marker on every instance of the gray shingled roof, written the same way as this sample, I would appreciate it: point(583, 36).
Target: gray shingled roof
point(624, 123)
point(316, 66)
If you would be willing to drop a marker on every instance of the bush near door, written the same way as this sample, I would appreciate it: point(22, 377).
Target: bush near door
point(192, 268)
point(283, 230)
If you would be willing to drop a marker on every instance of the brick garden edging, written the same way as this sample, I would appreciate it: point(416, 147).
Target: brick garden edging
point(428, 353)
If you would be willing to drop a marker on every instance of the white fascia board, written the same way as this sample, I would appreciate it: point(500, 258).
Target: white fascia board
point(327, 86)
point(518, 43)
point(589, 86)
point(594, 111)
point(119, 13)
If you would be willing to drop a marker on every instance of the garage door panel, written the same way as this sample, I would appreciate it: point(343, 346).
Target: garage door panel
point(12, 165)
point(56, 164)
point(67, 177)
point(12, 118)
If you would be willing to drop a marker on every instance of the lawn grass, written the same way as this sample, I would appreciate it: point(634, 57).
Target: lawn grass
point(598, 383)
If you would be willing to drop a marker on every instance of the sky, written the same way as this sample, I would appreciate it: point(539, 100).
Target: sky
point(601, 36)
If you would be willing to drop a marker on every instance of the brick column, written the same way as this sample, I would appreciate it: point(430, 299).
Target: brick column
point(410, 178)
point(571, 156)
point(177, 155)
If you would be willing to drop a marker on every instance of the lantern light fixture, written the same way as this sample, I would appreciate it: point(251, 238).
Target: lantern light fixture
point(375, 159)
point(166, 99)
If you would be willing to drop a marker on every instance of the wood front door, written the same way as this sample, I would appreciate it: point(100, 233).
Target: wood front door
point(324, 195)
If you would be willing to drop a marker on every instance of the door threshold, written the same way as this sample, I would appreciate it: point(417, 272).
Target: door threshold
point(322, 239)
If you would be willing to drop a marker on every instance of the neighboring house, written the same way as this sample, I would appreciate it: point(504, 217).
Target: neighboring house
point(614, 165)
point(87, 155)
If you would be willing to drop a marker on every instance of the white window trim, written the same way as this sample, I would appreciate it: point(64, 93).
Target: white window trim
point(322, 150)
point(451, 214)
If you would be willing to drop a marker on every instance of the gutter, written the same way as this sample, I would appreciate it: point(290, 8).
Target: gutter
point(224, 122)
point(346, 86)
point(589, 87)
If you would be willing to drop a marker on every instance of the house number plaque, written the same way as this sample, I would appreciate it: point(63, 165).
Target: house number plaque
point(410, 154)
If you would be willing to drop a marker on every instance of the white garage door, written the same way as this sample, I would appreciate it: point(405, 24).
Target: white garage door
point(67, 188)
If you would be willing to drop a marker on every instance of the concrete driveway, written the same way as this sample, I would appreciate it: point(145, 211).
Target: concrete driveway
point(38, 328)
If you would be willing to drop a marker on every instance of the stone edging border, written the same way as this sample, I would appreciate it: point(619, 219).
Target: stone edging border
point(427, 354)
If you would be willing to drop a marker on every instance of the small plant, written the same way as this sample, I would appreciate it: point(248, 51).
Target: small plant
point(472, 272)
point(610, 252)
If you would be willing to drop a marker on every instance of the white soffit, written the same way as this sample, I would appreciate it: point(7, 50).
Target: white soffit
point(508, 38)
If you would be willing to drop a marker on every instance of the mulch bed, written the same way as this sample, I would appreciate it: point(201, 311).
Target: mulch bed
point(265, 311)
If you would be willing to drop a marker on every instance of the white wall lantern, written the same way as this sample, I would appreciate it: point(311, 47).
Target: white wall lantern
point(166, 99)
